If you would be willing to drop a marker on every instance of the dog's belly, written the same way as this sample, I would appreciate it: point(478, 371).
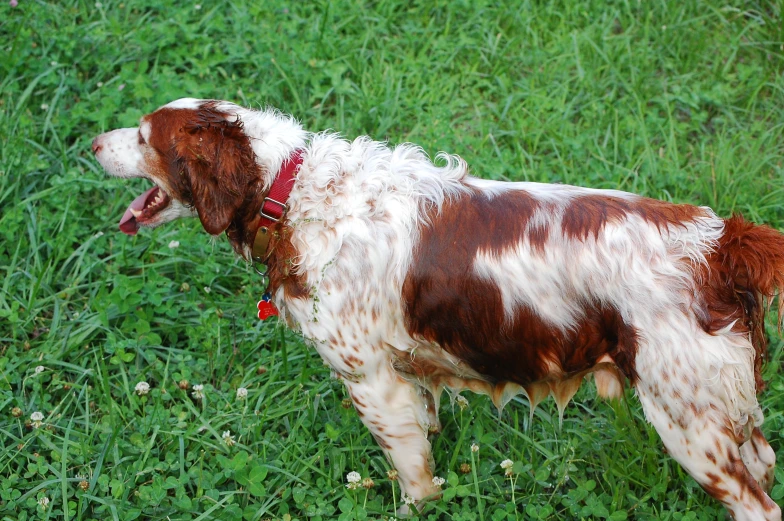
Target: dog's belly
point(433, 369)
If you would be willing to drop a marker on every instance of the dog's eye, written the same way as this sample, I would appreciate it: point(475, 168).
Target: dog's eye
point(141, 139)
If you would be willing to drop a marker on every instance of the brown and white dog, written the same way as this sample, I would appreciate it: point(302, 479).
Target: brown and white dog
point(410, 277)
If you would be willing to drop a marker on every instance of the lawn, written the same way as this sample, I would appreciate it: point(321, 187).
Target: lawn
point(676, 100)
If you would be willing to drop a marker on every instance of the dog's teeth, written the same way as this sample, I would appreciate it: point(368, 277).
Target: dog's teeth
point(136, 213)
point(158, 200)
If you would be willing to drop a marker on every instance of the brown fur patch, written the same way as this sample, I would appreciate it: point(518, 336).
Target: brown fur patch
point(448, 304)
point(280, 264)
point(745, 272)
point(587, 215)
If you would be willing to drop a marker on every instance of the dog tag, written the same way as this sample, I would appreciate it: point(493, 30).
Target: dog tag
point(266, 308)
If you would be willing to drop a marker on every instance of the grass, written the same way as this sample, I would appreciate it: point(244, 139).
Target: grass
point(676, 100)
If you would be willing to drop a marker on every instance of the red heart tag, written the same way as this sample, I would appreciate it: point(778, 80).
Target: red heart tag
point(267, 309)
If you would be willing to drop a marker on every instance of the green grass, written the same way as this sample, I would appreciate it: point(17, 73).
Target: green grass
point(676, 100)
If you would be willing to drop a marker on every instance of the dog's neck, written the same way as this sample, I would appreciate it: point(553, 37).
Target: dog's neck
point(274, 137)
point(274, 205)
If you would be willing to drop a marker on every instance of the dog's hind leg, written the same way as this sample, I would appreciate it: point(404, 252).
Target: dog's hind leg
point(704, 444)
point(689, 397)
point(759, 458)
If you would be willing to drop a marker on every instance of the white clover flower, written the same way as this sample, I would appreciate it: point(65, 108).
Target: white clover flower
point(44, 502)
point(198, 391)
point(461, 401)
point(228, 439)
point(44, 106)
point(174, 244)
point(197, 7)
point(99, 84)
point(438, 481)
point(37, 418)
point(474, 447)
point(507, 465)
point(353, 479)
point(142, 388)
point(408, 500)
point(242, 393)
point(40, 369)
point(207, 289)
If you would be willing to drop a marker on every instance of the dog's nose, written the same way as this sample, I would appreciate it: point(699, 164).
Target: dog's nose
point(97, 145)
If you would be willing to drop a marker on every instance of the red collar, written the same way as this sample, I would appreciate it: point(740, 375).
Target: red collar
point(274, 206)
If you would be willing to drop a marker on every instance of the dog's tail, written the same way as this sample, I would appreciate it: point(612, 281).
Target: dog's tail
point(746, 272)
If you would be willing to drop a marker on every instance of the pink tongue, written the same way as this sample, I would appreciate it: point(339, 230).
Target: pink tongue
point(128, 224)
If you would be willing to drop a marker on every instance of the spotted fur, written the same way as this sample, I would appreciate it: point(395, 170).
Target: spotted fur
point(409, 277)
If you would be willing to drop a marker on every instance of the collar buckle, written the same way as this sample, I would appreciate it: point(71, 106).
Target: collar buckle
point(283, 209)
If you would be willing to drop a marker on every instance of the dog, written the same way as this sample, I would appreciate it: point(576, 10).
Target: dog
point(410, 276)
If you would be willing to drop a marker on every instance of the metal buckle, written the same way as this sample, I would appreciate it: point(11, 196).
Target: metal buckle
point(283, 206)
point(255, 261)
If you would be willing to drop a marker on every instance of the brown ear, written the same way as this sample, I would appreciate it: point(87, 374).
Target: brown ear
point(220, 165)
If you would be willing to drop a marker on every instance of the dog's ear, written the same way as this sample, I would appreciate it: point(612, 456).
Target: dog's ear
point(216, 156)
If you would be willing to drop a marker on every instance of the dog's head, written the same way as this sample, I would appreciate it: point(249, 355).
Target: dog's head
point(204, 163)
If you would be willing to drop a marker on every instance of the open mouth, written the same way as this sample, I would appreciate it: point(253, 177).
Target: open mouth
point(143, 209)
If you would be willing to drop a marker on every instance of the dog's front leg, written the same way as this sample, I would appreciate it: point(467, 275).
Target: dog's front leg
point(396, 415)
